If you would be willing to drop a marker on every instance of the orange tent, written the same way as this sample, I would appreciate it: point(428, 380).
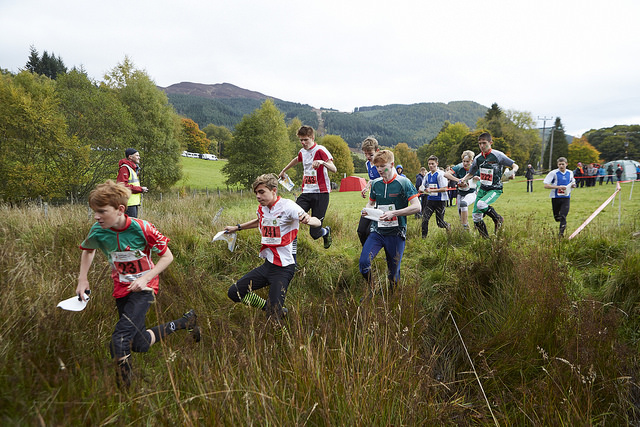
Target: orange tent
point(352, 183)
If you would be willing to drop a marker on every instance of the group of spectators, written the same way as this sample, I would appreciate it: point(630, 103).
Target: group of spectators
point(587, 175)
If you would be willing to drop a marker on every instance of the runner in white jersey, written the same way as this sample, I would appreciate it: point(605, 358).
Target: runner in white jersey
point(317, 163)
point(278, 220)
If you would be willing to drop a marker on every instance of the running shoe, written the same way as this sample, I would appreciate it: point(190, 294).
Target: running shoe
point(192, 325)
point(327, 238)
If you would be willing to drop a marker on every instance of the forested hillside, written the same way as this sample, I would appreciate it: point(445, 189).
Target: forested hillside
point(416, 124)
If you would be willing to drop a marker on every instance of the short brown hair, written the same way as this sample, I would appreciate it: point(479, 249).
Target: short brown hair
point(269, 180)
point(432, 157)
point(562, 159)
point(306, 131)
point(109, 194)
point(369, 143)
point(383, 157)
point(485, 136)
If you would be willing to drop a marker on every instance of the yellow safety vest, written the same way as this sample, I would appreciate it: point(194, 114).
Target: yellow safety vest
point(134, 200)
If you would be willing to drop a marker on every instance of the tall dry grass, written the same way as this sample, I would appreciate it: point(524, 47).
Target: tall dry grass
point(548, 324)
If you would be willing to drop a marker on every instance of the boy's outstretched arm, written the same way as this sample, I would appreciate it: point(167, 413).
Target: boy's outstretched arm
point(234, 228)
point(291, 164)
point(85, 264)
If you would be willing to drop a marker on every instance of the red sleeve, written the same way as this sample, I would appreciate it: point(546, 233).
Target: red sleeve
point(300, 156)
point(123, 175)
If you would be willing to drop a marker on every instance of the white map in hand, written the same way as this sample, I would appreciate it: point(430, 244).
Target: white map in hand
point(373, 214)
point(230, 238)
point(73, 304)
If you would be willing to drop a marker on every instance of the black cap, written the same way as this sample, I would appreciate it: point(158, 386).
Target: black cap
point(129, 151)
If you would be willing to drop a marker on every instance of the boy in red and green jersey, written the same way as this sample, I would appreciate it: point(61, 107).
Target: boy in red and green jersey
point(128, 243)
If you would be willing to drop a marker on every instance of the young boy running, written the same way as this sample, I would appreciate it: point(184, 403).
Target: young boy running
point(435, 185)
point(369, 148)
point(489, 162)
point(278, 220)
point(560, 181)
point(466, 193)
point(397, 198)
point(317, 161)
point(128, 243)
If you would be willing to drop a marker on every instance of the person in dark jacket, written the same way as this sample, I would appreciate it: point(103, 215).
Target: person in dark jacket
point(529, 176)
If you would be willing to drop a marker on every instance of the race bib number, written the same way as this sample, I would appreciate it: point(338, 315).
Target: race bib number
point(393, 222)
point(486, 176)
point(271, 231)
point(310, 179)
point(562, 190)
point(130, 265)
point(433, 186)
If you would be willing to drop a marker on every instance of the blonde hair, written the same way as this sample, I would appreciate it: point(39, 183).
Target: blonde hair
point(109, 194)
point(467, 153)
point(369, 143)
point(383, 157)
point(269, 180)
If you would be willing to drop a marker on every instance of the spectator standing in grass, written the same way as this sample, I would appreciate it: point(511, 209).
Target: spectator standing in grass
point(560, 181)
point(619, 171)
point(317, 162)
point(601, 173)
point(128, 169)
point(578, 173)
point(529, 176)
point(609, 174)
point(128, 243)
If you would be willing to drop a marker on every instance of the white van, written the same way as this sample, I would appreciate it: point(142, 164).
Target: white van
point(209, 156)
point(193, 155)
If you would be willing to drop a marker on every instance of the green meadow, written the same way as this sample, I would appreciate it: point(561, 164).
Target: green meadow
point(521, 329)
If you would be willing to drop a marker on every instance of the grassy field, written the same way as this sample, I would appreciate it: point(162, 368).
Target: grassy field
point(520, 329)
point(199, 174)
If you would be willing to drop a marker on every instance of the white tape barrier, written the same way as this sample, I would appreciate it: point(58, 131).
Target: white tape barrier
point(597, 211)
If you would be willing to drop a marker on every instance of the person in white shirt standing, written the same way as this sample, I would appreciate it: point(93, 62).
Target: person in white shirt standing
point(317, 162)
point(560, 181)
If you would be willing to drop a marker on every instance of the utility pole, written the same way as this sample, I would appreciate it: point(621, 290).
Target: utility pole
point(544, 122)
point(551, 149)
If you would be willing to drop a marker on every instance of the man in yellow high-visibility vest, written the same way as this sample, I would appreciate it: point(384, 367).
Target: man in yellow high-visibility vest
point(128, 174)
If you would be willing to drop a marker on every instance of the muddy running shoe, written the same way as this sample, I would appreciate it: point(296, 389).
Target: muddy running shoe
point(191, 325)
point(327, 238)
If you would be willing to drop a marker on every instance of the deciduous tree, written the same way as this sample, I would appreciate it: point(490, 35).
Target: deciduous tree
point(341, 156)
point(408, 158)
point(260, 145)
point(37, 157)
point(157, 132)
point(581, 151)
point(195, 139)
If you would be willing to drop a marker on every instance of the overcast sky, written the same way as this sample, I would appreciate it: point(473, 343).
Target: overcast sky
point(577, 60)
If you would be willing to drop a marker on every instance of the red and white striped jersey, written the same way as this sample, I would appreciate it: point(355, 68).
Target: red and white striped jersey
point(315, 180)
point(279, 227)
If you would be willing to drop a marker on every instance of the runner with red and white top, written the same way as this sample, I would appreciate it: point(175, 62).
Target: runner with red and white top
point(317, 163)
point(278, 220)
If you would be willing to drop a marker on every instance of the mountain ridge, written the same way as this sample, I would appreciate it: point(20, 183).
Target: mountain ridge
point(225, 104)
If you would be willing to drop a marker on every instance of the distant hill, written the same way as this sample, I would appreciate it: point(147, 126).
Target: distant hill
point(224, 104)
